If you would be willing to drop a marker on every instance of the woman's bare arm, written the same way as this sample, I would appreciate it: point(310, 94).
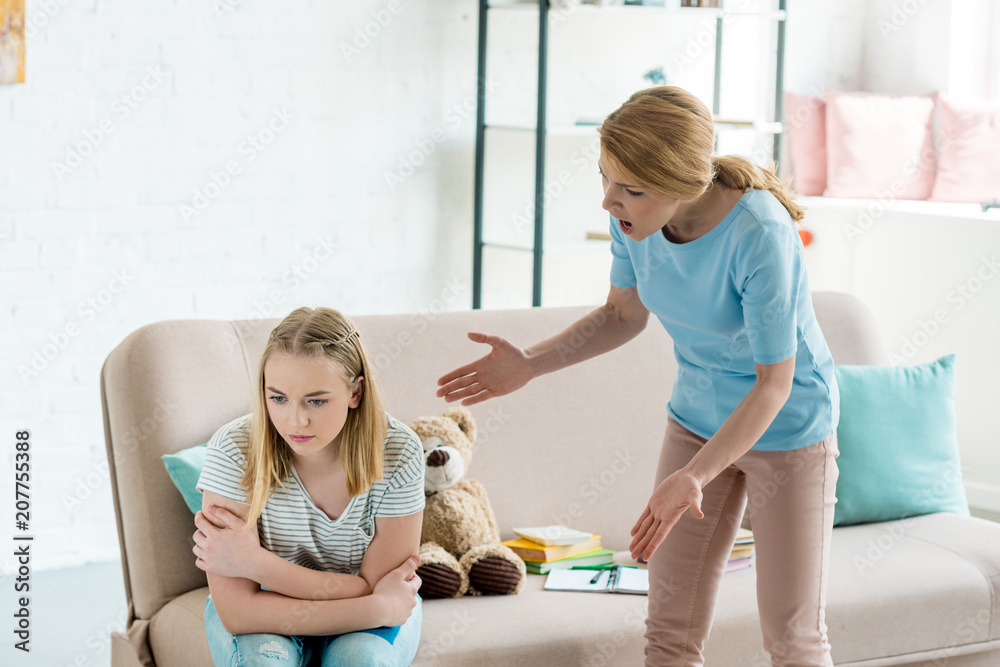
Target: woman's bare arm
point(508, 368)
point(741, 430)
point(619, 320)
point(747, 423)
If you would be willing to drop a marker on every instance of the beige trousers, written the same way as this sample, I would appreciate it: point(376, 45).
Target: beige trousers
point(789, 498)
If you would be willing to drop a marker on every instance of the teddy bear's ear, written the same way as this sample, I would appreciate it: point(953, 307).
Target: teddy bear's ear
point(463, 418)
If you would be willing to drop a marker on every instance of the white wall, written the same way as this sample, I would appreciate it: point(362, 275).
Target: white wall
point(825, 44)
point(913, 47)
point(158, 98)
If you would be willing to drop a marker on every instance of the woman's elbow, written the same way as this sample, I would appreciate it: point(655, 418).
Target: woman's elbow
point(778, 391)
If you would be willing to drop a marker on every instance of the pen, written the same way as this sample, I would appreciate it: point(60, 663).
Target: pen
point(597, 576)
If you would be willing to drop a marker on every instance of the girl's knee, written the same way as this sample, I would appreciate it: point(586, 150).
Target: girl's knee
point(269, 651)
point(360, 648)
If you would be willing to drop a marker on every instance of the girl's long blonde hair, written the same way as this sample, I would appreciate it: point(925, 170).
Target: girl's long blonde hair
point(664, 137)
point(317, 333)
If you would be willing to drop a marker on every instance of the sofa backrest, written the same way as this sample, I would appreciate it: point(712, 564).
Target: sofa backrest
point(578, 447)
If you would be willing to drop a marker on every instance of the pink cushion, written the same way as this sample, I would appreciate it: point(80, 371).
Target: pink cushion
point(968, 153)
point(879, 145)
point(805, 126)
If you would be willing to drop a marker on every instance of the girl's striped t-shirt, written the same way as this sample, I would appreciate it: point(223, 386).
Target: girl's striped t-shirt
point(292, 527)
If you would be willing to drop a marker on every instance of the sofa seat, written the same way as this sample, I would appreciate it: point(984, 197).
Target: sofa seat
point(911, 586)
point(903, 590)
point(909, 600)
point(177, 631)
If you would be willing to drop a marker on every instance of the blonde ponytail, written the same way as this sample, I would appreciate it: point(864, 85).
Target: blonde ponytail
point(737, 172)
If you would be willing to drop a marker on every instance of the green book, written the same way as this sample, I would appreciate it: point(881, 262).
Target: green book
point(597, 557)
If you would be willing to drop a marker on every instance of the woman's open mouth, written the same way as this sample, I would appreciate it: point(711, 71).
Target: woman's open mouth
point(626, 226)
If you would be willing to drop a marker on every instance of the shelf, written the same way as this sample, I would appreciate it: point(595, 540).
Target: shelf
point(716, 12)
point(764, 127)
point(589, 245)
point(910, 207)
point(554, 130)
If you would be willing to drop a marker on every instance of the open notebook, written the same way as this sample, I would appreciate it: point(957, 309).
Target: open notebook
point(612, 580)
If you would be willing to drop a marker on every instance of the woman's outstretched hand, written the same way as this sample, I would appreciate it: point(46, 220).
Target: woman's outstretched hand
point(676, 494)
point(223, 545)
point(503, 370)
point(398, 591)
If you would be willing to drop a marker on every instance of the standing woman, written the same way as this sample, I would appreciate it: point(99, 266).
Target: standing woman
point(708, 244)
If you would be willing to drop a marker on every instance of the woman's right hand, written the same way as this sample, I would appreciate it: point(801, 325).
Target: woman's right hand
point(503, 370)
point(398, 592)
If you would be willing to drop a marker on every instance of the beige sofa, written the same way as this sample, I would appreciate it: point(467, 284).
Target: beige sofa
point(576, 447)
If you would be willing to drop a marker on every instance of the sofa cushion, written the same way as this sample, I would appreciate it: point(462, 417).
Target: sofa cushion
point(921, 584)
point(898, 442)
point(969, 157)
point(177, 632)
point(879, 145)
point(184, 468)
point(901, 588)
point(805, 123)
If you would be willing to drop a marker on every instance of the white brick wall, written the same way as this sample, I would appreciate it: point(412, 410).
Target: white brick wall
point(201, 83)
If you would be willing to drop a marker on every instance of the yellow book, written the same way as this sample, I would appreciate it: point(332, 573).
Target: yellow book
point(739, 551)
point(529, 550)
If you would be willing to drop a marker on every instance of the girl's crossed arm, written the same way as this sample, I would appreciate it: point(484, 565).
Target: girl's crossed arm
point(396, 538)
point(230, 549)
point(244, 608)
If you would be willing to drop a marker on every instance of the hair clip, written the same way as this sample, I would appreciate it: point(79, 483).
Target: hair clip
point(344, 339)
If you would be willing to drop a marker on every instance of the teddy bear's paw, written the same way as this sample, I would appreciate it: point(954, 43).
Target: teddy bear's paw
point(494, 576)
point(493, 570)
point(439, 581)
point(440, 574)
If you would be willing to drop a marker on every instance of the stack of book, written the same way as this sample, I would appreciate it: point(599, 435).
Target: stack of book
point(546, 548)
point(740, 557)
point(742, 554)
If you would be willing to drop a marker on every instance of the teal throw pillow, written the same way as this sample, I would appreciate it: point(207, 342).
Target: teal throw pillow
point(898, 443)
point(184, 469)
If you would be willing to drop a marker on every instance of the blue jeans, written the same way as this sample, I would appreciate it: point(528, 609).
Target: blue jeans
point(366, 647)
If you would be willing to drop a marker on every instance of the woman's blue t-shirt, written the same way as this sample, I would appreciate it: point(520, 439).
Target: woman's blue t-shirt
point(735, 296)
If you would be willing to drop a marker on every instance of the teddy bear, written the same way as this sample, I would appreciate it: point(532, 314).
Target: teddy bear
point(460, 549)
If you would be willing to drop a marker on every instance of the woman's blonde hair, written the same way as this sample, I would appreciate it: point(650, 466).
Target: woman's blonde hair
point(664, 138)
point(317, 333)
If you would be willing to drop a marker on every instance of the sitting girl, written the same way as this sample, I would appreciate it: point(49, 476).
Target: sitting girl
point(311, 512)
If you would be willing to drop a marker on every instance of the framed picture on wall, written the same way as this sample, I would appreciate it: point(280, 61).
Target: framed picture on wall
point(11, 41)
